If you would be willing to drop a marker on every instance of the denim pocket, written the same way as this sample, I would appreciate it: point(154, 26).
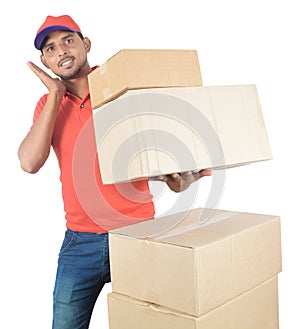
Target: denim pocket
point(69, 241)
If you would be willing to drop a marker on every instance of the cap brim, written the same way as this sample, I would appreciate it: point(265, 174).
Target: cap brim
point(40, 37)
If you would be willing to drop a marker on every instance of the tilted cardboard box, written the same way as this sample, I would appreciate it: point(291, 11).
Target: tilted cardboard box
point(255, 309)
point(143, 68)
point(166, 130)
point(197, 260)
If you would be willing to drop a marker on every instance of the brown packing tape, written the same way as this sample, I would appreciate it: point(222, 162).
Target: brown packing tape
point(103, 69)
point(173, 232)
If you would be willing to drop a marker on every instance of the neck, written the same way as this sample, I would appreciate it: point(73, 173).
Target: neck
point(79, 85)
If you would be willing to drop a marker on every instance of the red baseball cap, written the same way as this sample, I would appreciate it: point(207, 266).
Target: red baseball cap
point(52, 23)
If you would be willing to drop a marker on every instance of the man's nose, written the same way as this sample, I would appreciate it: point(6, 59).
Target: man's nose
point(62, 49)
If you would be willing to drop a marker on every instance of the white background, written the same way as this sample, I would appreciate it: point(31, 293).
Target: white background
point(250, 41)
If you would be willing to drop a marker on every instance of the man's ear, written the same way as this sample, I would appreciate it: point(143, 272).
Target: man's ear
point(87, 44)
point(44, 61)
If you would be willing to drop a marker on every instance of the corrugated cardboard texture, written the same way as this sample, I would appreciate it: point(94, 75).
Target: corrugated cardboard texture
point(167, 130)
point(195, 267)
point(255, 309)
point(143, 68)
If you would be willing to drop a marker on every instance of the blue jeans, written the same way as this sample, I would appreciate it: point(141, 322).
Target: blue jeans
point(83, 269)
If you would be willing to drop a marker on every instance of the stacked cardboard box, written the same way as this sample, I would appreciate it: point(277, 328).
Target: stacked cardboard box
point(255, 309)
point(204, 268)
point(142, 68)
point(152, 115)
point(197, 269)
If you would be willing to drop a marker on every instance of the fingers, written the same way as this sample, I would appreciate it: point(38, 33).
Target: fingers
point(175, 176)
point(34, 67)
point(186, 176)
point(202, 173)
point(191, 176)
point(160, 178)
point(53, 85)
point(206, 172)
point(37, 70)
point(178, 182)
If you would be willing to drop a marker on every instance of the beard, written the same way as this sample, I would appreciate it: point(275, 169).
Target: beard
point(73, 73)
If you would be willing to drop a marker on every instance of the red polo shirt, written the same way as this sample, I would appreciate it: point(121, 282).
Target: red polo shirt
point(89, 205)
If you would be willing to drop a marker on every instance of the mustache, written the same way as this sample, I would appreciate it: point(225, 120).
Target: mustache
point(64, 59)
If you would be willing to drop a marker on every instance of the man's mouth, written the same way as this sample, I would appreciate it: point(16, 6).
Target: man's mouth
point(65, 62)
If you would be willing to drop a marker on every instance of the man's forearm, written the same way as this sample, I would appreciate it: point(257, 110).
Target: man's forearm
point(35, 148)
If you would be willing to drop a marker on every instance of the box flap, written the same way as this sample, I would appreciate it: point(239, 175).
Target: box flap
point(194, 228)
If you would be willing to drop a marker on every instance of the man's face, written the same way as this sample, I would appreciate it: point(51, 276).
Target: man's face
point(65, 54)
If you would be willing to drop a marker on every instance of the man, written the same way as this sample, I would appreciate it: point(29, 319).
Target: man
point(59, 118)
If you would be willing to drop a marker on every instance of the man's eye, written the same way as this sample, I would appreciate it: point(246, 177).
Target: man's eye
point(49, 49)
point(68, 41)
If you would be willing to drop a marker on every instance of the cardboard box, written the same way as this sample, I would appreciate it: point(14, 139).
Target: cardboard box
point(197, 260)
point(143, 68)
point(166, 130)
point(255, 309)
